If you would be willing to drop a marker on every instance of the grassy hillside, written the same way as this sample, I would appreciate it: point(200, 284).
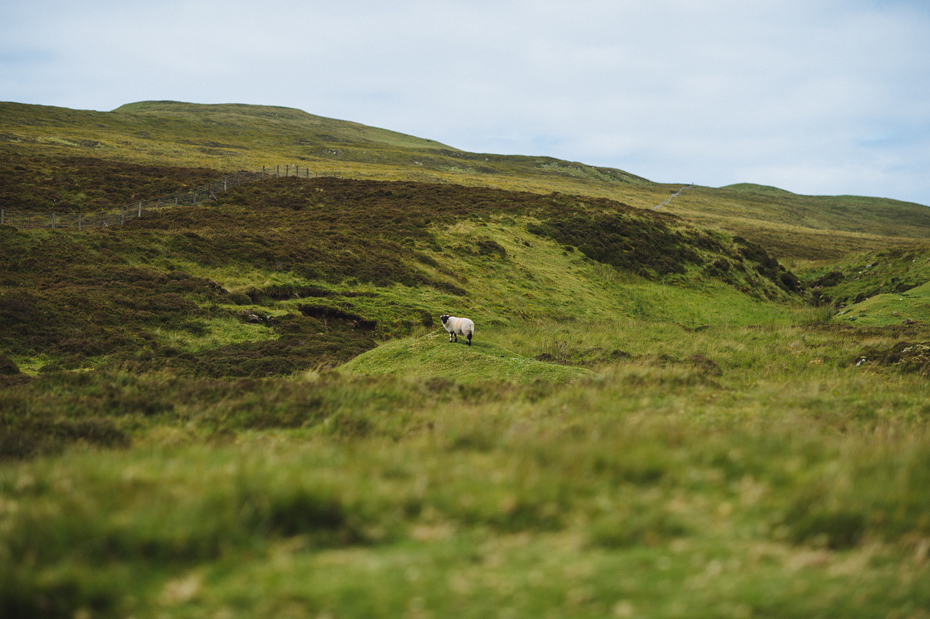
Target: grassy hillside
point(320, 269)
point(249, 407)
point(802, 229)
point(226, 138)
point(229, 137)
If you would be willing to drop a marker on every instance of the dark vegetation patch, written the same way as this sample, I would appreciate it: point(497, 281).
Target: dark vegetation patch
point(71, 184)
point(490, 247)
point(301, 345)
point(82, 300)
point(892, 271)
point(767, 266)
point(7, 366)
point(656, 245)
point(911, 357)
point(326, 314)
point(630, 241)
point(388, 220)
point(281, 292)
point(44, 415)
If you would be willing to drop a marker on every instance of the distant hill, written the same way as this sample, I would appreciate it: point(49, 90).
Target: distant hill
point(45, 153)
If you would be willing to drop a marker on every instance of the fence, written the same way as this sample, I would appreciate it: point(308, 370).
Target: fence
point(119, 216)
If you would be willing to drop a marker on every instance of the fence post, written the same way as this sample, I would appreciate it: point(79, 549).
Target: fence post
point(2, 217)
point(122, 215)
point(224, 183)
point(140, 210)
point(53, 221)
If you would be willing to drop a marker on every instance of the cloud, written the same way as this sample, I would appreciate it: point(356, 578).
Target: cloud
point(822, 96)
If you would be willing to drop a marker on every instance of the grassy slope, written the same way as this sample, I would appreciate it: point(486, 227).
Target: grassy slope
point(640, 429)
point(878, 288)
point(426, 358)
point(231, 137)
point(302, 265)
point(805, 228)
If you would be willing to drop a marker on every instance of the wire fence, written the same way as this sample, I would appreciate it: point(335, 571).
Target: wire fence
point(119, 216)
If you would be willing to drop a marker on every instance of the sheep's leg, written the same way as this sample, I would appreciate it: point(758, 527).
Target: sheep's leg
point(469, 339)
point(451, 336)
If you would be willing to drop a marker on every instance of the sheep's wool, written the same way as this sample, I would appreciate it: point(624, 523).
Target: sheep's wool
point(458, 326)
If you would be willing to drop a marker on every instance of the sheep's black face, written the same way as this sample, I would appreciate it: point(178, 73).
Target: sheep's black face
point(444, 318)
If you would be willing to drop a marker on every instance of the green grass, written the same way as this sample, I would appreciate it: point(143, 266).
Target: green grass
point(226, 138)
point(743, 492)
point(249, 408)
point(892, 308)
point(428, 357)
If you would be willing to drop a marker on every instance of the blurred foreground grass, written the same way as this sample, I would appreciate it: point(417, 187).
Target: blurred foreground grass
point(733, 472)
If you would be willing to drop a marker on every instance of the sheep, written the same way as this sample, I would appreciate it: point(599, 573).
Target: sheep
point(458, 326)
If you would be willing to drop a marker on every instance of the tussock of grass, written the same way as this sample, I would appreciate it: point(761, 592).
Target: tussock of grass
point(433, 356)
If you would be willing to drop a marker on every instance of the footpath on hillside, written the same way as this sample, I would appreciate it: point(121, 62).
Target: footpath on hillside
point(671, 197)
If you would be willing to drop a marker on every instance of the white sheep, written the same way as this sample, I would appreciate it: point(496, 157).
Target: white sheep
point(458, 326)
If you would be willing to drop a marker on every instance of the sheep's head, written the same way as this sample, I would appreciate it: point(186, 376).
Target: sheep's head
point(444, 318)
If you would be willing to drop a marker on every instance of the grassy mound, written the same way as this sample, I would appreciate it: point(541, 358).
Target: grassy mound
point(884, 288)
point(433, 357)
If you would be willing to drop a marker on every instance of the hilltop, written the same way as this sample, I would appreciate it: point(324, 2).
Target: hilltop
point(225, 138)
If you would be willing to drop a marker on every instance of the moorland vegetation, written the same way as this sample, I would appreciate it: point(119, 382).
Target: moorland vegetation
point(248, 407)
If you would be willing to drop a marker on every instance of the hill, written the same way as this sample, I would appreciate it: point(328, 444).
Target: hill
point(247, 406)
point(226, 138)
point(301, 252)
point(806, 227)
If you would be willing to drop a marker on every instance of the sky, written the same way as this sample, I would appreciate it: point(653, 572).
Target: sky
point(820, 97)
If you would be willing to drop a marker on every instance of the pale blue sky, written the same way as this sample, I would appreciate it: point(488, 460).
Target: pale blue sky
point(813, 96)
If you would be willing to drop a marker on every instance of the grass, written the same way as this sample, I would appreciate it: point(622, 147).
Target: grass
point(805, 228)
point(481, 362)
point(232, 137)
point(734, 493)
point(249, 408)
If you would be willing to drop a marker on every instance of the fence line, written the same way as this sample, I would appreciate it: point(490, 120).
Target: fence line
point(119, 216)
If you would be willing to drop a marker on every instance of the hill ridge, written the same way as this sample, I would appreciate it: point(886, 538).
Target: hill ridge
point(229, 137)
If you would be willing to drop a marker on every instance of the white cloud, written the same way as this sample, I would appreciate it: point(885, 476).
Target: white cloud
point(822, 96)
